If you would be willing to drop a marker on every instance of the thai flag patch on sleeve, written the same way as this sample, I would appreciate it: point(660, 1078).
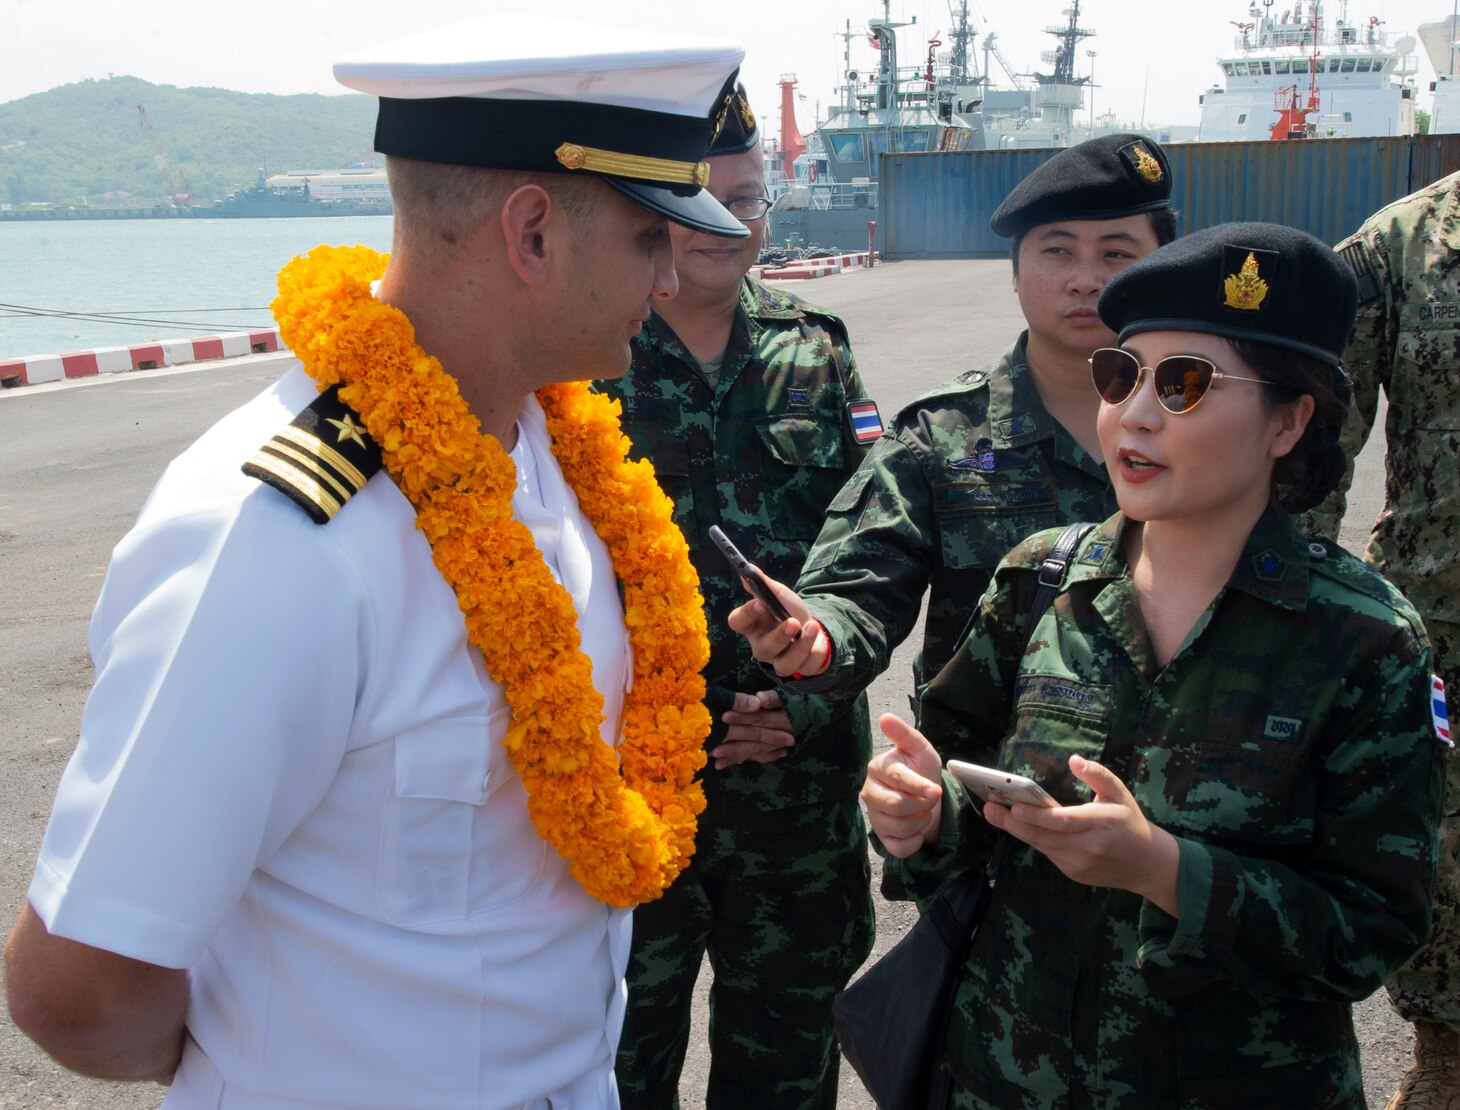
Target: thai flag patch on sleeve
point(1438, 710)
point(866, 421)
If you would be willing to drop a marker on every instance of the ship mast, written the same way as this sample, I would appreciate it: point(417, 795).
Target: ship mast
point(884, 34)
point(1063, 56)
point(963, 37)
point(849, 89)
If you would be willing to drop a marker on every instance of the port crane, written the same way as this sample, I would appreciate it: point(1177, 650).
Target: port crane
point(181, 198)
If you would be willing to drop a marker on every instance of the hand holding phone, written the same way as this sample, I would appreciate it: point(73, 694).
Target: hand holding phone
point(752, 578)
point(1003, 787)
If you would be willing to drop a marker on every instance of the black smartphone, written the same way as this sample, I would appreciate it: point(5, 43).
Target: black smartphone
point(748, 574)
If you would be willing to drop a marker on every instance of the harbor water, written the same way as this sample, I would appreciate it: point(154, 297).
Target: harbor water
point(184, 277)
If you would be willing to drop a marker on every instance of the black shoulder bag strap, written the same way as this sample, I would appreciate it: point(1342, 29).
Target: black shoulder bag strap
point(1052, 573)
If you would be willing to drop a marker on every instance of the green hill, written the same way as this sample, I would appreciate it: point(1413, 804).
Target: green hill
point(86, 139)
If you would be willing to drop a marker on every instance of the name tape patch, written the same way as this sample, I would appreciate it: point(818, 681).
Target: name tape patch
point(1282, 728)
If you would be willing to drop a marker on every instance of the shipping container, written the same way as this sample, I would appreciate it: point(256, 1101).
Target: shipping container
point(938, 205)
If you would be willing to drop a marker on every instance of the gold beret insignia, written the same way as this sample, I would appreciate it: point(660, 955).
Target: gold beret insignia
point(1146, 165)
point(1245, 289)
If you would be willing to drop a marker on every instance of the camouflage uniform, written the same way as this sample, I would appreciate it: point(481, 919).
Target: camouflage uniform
point(1288, 746)
point(1407, 343)
point(964, 474)
point(778, 891)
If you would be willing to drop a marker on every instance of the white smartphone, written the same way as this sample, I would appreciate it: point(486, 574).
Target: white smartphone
point(1003, 787)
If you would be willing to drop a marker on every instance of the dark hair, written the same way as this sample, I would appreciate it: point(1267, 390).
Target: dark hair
point(1163, 223)
point(1312, 469)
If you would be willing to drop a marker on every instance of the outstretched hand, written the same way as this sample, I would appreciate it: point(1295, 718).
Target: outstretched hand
point(796, 647)
point(1105, 842)
point(904, 791)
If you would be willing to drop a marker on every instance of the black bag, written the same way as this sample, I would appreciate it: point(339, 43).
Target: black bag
point(893, 1020)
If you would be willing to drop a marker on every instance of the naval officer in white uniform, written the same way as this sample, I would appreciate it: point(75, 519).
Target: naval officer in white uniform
point(290, 863)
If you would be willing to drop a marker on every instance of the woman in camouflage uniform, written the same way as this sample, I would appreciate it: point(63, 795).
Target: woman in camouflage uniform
point(1236, 721)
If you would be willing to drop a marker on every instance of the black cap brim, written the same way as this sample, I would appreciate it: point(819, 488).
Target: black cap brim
point(699, 211)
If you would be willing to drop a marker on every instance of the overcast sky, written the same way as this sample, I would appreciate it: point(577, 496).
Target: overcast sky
point(1151, 61)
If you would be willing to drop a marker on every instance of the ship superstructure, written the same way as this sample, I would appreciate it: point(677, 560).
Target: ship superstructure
point(1294, 73)
point(1441, 41)
point(893, 108)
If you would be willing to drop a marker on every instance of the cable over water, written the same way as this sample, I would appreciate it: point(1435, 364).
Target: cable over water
point(138, 318)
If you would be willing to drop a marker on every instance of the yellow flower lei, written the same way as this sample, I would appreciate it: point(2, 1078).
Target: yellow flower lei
point(625, 835)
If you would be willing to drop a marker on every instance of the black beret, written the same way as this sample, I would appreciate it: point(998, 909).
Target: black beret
point(1102, 179)
point(738, 131)
point(1264, 282)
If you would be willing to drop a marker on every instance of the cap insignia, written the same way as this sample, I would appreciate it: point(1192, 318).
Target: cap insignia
point(1146, 165)
point(746, 115)
point(1245, 289)
point(574, 157)
point(720, 117)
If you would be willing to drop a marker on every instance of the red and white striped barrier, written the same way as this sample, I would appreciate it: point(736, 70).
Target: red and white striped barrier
point(813, 267)
point(144, 356)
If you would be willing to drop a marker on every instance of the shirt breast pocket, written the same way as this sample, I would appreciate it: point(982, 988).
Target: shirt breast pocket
point(980, 521)
point(668, 452)
point(1250, 792)
point(1056, 716)
point(1424, 394)
point(456, 838)
point(804, 467)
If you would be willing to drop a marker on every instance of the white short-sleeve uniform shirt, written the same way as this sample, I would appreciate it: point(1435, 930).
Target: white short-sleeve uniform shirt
point(290, 779)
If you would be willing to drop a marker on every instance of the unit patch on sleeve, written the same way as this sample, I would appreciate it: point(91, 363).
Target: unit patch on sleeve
point(1357, 256)
point(1439, 711)
point(866, 421)
point(319, 461)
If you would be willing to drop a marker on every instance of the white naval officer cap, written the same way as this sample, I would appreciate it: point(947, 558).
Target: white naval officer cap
point(522, 92)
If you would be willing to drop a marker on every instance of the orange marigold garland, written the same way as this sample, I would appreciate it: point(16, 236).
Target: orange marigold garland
point(624, 821)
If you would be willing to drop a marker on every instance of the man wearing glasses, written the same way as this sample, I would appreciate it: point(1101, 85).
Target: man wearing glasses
point(990, 456)
point(747, 403)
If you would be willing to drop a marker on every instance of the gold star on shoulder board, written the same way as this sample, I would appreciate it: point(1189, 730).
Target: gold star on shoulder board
point(349, 429)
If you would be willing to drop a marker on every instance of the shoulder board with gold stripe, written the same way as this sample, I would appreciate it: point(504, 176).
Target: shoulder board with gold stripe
point(319, 461)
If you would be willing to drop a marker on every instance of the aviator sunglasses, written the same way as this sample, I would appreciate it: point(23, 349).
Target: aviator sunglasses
point(1181, 380)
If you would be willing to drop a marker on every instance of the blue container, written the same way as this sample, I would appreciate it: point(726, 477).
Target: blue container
point(938, 205)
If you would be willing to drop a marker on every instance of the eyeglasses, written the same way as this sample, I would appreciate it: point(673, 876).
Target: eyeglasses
point(1181, 380)
point(748, 209)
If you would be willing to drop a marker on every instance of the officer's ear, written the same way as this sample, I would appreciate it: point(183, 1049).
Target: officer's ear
point(530, 222)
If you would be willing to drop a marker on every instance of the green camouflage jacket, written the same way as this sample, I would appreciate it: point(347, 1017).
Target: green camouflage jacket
point(1288, 746)
point(1407, 343)
point(964, 473)
point(760, 453)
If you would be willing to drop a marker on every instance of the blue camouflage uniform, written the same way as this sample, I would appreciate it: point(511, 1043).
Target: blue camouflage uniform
point(778, 890)
point(1288, 746)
